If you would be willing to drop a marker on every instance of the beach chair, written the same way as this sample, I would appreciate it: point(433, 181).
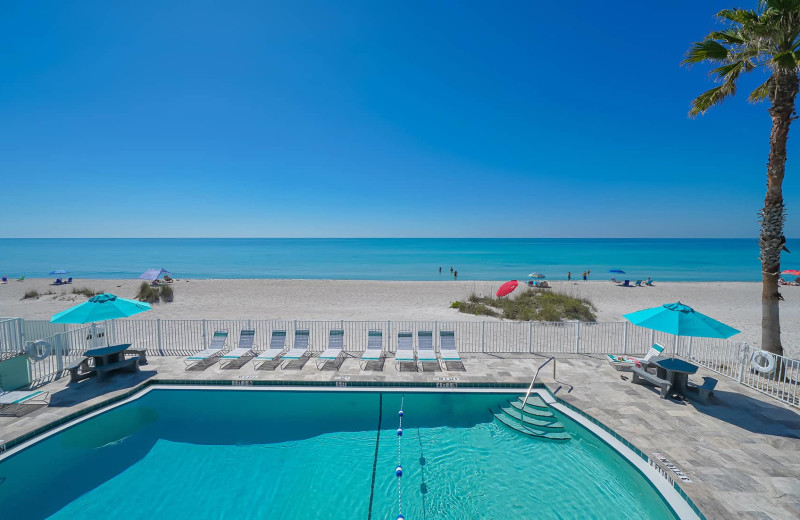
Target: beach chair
point(334, 351)
point(277, 343)
point(14, 402)
point(241, 353)
point(426, 353)
point(626, 283)
point(654, 352)
point(374, 350)
point(69, 280)
point(638, 283)
point(21, 278)
point(649, 283)
point(299, 350)
point(447, 348)
point(209, 356)
point(405, 350)
point(4, 279)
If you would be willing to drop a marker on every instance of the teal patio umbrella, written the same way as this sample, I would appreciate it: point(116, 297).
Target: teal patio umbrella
point(100, 308)
point(680, 320)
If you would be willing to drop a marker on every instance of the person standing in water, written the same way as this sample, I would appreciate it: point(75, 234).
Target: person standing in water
point(584, 276)
point(440, 270)
point(569, 276)
point(588, 273)
point(455, 275)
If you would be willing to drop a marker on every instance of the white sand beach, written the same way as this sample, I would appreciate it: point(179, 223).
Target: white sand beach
point(735, 303)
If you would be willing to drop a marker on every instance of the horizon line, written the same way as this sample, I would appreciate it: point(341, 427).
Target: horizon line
point(388, 238)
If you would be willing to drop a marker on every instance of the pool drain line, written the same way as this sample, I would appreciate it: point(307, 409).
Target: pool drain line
point(375, 458)
point(399, 470)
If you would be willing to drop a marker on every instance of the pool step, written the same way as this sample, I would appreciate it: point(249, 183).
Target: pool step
point(530, 421)
point(532, 410)
point(531, 432)
point(535, 401)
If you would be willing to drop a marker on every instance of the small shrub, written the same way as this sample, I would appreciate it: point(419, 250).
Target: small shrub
point(455, 305)
point(167, 294)
point(147, 293)
point(532, 305)
point(33, 294)
point(85, 291)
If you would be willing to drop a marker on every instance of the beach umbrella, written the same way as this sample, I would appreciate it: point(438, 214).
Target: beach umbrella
point(100, 308)
point(616, 271)
point(680, 320)
point(153, 274)
point(793, 272)
point(59, 271)
point(536, 275)
point(507, 288)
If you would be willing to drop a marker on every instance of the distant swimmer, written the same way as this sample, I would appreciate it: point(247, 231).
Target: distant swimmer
point(451, 268)
point(440, 270)
point(588, 273)
point(455, 275)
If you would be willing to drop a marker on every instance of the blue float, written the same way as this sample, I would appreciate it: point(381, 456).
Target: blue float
point(401, 517)
point(399, 432)
point(400, 413)
point(399, 471)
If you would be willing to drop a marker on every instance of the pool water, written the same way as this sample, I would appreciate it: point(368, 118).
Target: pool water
point(299, 455)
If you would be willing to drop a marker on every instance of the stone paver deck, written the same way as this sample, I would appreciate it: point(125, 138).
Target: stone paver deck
point(742, 451)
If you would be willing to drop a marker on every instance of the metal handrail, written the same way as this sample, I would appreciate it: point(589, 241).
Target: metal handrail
point(528, 393)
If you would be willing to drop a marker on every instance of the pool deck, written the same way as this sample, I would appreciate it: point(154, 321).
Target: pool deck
point(741, 452)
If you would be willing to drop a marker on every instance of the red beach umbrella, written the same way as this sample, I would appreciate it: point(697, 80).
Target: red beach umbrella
point(507, 288)
point(793, 272)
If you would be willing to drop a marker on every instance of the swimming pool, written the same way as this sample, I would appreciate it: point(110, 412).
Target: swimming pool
point(202, 453)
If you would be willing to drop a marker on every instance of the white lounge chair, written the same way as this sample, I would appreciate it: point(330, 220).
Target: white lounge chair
point(447, 348)
point(335, 349)
point(426, 353)
point(300, 349)
point(244, 350)
point(405, 350)
point(11, 403)
point(208, 356)
point(374, 350)
point(277, 343)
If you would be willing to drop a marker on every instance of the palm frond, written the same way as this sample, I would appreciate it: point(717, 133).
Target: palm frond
point(705, 50)
point(761, 92)
point(742, 16)
point(785, 60)
point(731, 71)
point(729, 36)
point(711, 97)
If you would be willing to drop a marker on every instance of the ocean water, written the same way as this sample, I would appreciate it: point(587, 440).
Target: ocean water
point(299, 455)
point(391, 259)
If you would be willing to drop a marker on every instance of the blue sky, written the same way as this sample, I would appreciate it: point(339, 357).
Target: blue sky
point(362, 119)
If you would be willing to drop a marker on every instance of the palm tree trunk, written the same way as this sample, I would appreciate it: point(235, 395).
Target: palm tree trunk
point(773, 215)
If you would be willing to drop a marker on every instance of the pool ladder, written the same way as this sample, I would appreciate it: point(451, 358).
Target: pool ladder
point(532, 416)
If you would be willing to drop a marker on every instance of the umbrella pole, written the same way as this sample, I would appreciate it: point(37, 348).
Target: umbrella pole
point(675, 346)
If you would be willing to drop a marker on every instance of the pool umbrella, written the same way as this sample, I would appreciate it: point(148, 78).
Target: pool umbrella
point(616, 271)
point(536, 275)
point(793, 272)
point(100, 308)
point(507, 288)
point(680, 320)
point(59, 271)
point(153, 274)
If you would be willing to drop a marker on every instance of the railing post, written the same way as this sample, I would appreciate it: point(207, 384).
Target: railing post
point(530, 337)
point(483, 337)
point(204, 332)
point(389, 335)
point(625, 340)
point(652, 337)
point(742, 361)
point(577, 337)
point(158, 332)
point(59, 354)
point(435, 334)
point(675, 346)
point(689, 352)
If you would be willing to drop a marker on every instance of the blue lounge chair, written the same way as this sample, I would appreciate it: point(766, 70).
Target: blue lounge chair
point(626, 283)
point(447, 348)
point(300, 349)
point(374, 351)
point(638, 283)
point(334, 351)
point(405, 350)
point(243, 352)
point(277, 343)
point(12, 403)
point(210, 355)
point(4, 279)
point(426, 353)
point(69, 280)
point(649, 283)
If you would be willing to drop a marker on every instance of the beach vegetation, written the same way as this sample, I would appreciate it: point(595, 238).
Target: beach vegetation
point(532, 305)
point(166, 293)
point(147, 293)
point(767, 39)
point(85, 291)
point(31, 295)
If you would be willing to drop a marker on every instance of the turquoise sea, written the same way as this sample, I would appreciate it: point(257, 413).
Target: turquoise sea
point(390, 258)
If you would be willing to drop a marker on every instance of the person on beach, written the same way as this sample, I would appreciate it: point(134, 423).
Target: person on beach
point(569, 276)
point(584, 276)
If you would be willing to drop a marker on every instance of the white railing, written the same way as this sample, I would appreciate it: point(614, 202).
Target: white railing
point(184, 337)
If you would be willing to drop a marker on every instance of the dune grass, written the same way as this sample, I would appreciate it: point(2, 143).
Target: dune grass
point(85, 291)
point(532, 305)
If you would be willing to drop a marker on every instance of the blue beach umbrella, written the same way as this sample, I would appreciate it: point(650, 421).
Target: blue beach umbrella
point(680, 320)
point(153, 274)
point(100, 308)
point(536, 275)
point(616, 271)
point(59, 271)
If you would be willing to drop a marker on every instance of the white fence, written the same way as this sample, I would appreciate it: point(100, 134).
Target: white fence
point(184, 337)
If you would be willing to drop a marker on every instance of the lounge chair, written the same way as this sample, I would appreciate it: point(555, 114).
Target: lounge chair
point(447, 348)
point(374, 350)
point(626, 283)
point(69, 280)
point(4, 279)
point(638, 283)
point(21, 278)
point(244, 350)
point(12, 403)
point(276, 345)
point(405, 350)
point(57, 282)
point(334, 351)
point(299, 350)
point(210, 355)
point(426, 353)
point(614, 280)
point(168, 279)
point(654, 352)
point(649, 283)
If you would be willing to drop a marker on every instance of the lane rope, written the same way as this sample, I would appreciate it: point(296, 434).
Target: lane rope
point(399, 470)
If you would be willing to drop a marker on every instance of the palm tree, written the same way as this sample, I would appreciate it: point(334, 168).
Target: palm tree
point(767, 38)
